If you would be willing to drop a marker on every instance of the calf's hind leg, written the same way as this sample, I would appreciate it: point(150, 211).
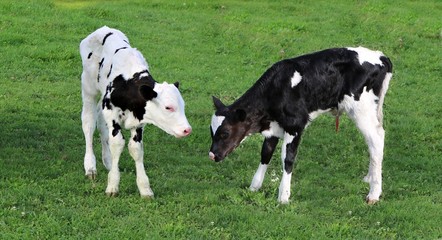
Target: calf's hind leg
point(104, 136)
point(88, 120)
point(364, 113)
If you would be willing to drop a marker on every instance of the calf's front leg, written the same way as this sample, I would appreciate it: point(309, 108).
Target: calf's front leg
point(268, 147)
point(136, 151)
point(288, 156)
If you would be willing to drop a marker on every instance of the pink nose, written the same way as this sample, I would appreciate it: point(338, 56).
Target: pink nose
point(187, 131)
point(212, 156)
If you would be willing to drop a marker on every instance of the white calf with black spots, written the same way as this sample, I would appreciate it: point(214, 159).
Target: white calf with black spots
point(129, 98)
point(293, 92)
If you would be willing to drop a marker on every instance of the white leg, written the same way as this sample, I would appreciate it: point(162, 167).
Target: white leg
point(116, 144)
point(268, 147)
point(88, 119)
point(284, 187)
point(375, 142)
point(258, 178)
point(364, 113)
point(137, 152)
point(104, 136)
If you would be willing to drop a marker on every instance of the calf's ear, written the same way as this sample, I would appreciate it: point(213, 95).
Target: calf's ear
point(147, 92)
point(218, 104)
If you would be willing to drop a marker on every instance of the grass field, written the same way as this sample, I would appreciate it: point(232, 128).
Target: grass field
point(217, 48)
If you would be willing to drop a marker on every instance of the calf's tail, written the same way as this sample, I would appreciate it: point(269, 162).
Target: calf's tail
point(389, 74)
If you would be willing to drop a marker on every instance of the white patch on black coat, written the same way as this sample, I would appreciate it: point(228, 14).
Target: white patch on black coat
point(216, 122)
point(296, 79)
point(274, 131)
point(367, 55)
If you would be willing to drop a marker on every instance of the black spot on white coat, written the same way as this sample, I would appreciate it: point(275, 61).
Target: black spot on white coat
point(139, 136)
point(110, 71)
point(118, 49)
point(116, 128)
point(105, 37)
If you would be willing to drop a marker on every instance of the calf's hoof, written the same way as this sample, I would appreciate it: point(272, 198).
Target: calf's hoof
point(371, 201)
point(92, 175)
point(146, 193)
point(283, 200)
point(112, 191)
point(112, 194)
point(147, 197)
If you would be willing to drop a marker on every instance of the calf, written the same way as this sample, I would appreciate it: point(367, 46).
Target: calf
point(130, 98)
point(291, 93)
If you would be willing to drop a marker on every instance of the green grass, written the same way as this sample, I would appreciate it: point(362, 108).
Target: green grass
point(217, 48)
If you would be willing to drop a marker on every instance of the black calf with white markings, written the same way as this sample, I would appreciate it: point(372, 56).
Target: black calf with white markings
point(291, 93)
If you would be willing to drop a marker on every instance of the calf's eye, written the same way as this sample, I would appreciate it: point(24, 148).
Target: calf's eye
point(224, 135)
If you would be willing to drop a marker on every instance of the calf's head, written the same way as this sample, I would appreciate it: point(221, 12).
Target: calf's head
point(166, 109)
point(228, 128)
